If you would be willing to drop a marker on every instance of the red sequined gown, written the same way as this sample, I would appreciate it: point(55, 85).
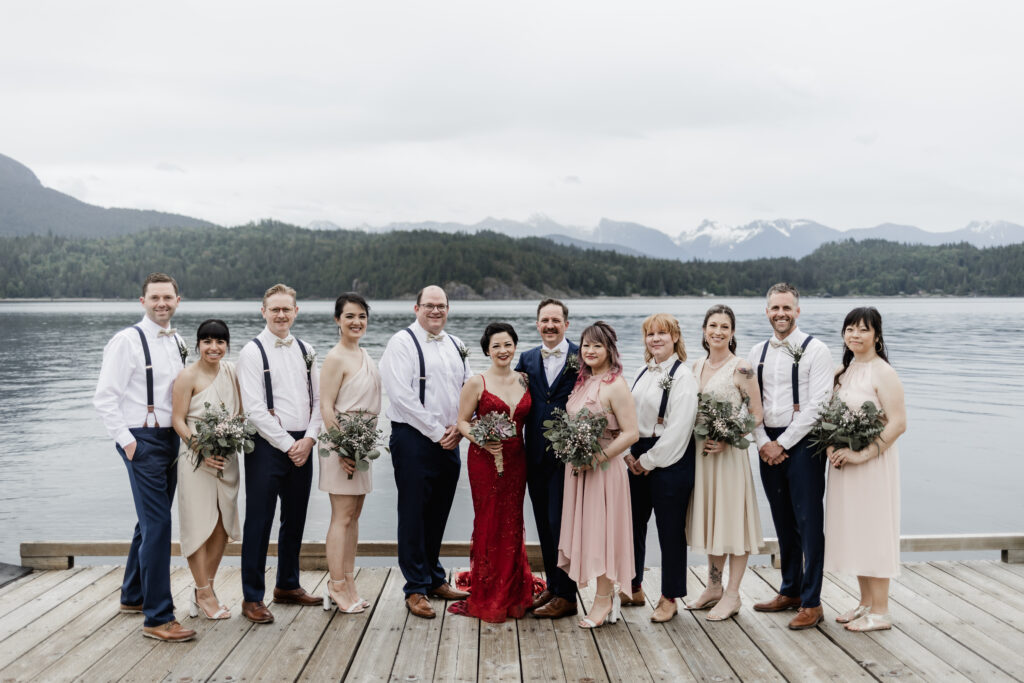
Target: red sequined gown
point(499, 575)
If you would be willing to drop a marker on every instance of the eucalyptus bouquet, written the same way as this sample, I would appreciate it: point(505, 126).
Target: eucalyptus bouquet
point(843, 427)
point(574, 438)
point(356, 437)
point(719, 420)
point(219, 434)
point(494, 426)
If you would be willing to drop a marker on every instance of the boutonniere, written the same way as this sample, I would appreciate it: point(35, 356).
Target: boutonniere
point(182, 350)
point(310, 358)
point(794, 352)
point(572, 362)
point(665, 383)
point(463, 352)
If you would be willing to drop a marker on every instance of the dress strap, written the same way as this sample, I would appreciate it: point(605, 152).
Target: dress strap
point(484, 380)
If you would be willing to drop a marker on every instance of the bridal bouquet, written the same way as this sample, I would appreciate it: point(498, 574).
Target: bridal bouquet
point(719, 420)
point(843, 427)
point(574, 439)
point(219, 434)
point(356, 437)
point(494, 426)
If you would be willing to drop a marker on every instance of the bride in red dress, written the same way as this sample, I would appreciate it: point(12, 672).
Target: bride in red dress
point(499, 579)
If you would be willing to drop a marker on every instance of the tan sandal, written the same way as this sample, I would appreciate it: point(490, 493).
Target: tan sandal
point(870, 622)
point(721, 612)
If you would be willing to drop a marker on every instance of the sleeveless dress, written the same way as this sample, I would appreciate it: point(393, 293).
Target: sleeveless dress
point(862, 502)
point(597, 522)
point(722, 518)
point(499, 575)
point(361, 392)
point(201, 493)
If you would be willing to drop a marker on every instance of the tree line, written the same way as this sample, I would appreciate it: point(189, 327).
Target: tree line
point(239, 263)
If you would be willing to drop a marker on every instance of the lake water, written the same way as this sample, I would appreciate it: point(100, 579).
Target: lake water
point(959, 359)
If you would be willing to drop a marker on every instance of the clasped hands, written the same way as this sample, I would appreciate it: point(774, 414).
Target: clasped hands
point(844, 456)
point(300, 450)
point(634, 465)
point(772, 453)
point(451, 437)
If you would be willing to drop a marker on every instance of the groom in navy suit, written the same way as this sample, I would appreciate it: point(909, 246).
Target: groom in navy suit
point(552, 369)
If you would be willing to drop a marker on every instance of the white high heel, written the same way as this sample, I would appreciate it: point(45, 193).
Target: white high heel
point(612, 616)
point(355, 608)
point(194, 608)
point(351, 578)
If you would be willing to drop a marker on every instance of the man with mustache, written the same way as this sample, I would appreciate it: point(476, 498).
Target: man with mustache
point(794, 371)
point(422, 370)
point(552, 376)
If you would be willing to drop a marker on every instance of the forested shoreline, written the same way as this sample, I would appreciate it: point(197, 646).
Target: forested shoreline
point(239, 263)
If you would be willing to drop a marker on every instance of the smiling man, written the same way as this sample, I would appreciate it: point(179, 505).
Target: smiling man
point(422, 370)
point(280, 386)
point(133, 398)
point(794, 371)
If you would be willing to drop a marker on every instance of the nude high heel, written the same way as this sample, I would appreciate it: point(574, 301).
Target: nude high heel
point(351, 578)
point(355, 608)
point(194, 608)
point(612, 616)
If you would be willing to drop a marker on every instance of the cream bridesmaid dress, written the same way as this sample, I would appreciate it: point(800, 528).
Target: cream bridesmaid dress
point(361, 392)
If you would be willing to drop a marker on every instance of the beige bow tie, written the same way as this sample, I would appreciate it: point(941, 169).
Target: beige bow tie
point(169, 332)
point(776, 343)
point(434, 337)
point(545, 353)
point(284, 342)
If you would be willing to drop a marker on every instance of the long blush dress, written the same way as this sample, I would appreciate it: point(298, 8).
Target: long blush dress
point(862, 502)
point(361, 392)
point(499, 579)
point(596, 536)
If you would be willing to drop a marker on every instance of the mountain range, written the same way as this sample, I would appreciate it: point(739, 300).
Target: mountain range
point(27, 207)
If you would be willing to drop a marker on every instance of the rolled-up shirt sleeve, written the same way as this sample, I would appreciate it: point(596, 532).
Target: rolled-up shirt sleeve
point(399, 375)
point(820, 376)
point(115, 373)
point(679, 419)
point(254, 401)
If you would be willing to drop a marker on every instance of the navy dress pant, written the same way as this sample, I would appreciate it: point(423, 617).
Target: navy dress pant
point(269, 475)
point(426, 476)
point(795, 489)
point(153, 474)
point(665, 491)
point(546, 480)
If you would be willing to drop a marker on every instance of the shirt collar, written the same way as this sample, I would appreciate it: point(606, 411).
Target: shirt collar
point(663, 366)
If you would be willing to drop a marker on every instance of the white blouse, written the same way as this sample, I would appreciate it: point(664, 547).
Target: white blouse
point(677, 430)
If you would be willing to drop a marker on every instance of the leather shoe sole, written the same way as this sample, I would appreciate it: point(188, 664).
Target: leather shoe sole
point(171, 632)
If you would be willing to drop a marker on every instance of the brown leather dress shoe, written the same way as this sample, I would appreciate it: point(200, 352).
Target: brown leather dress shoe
point(171, 632)
point(257, 612)
point(807, 617)
point(420, 606)
point(780, 603)
point(446, 592)
point(556, 608)
point(130, 609)
point(542, 599)
point(296, 596)
point(632, 599)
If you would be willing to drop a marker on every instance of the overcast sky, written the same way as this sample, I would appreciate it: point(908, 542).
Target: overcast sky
point(662, 113)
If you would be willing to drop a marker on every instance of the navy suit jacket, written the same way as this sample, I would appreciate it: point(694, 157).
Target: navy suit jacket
point(544, 399)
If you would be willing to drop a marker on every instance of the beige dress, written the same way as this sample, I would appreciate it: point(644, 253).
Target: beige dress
point(202, 495)
point(862, 502)
point(722, 518)
point(361, 392)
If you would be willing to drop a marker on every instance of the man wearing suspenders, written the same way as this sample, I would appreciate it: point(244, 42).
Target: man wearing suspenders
point(422, 371)
point(133, 398)
point(794, 371)
point(280, 385)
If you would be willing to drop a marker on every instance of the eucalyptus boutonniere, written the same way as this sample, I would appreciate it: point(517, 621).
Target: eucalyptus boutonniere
point(310, 358)
point(665, 383)
point(463, 352)
point(182, 350)
point(794, 352)
point(572, 362)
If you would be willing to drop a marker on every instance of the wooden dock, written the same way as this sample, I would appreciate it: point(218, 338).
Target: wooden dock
point(954, 621)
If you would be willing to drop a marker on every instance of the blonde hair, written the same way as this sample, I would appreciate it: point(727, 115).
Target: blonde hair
point(668, 323)
point(278, 289)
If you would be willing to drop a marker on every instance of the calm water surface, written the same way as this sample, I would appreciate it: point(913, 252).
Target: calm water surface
point(959, 359)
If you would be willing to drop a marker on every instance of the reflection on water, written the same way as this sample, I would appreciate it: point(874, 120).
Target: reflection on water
point(959, 359)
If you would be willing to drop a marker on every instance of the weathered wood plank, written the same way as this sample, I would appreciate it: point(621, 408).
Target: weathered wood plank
point(664, 662)
point(499, 652)
point(20, 617)
point(538, 650)
point(112, 650)
point(581, 660)
point(337, 646)
point(458, 650)
point(287, 658)
point(864, 648)
point(1011, 581)
point(376, 655)
point(19, 582)
point(1005, 606)
point(919, 626)
point(417, 652)
point(621, 657)
point(799, 655)
point(15, 649)
point(28, 591)
point(10, 573)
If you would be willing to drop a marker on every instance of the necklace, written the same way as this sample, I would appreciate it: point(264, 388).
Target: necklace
point(716, 367)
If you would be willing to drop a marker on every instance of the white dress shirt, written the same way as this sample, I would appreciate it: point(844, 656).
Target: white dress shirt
point(554, 364)
point(677, 430)
point(815, 375)
point(120, 396)
point(400, 377)
point(291, 393)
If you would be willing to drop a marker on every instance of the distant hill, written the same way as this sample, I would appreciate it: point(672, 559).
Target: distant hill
point(28, 208)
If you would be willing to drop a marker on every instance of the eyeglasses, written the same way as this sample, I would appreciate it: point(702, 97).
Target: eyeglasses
point(440, 308)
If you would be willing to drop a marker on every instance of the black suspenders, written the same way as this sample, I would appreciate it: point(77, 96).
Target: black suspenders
point(664, 392)
point(268, 386)
point(150, 408)
point(423, 363)
point(795, 376)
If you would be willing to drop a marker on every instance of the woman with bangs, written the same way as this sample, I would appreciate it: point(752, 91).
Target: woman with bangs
point(596, 538)
point(207, 494)
point(723, 521)
point(661, 463)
